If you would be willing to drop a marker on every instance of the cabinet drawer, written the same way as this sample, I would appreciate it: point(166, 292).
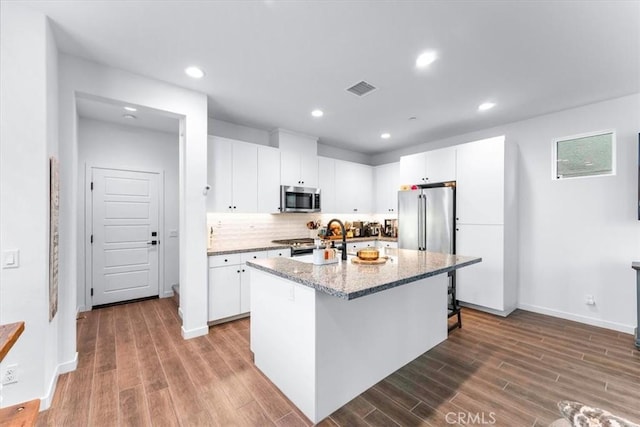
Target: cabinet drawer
point(248, 256)
point(222, 260)
point(275, 253)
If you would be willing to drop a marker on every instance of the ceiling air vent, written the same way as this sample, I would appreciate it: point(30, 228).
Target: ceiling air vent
point(362, 88)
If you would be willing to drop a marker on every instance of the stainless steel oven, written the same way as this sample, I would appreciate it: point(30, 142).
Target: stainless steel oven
point(299, 199)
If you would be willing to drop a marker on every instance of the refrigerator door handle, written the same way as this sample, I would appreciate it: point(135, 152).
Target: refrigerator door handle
point(424, 225)
point(419, 222)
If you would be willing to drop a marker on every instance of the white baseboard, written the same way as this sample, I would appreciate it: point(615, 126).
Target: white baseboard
point(627, 329)
point(193, 333)
point(62, 368)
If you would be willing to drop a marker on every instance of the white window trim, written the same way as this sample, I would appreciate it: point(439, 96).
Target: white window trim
point(554, 154)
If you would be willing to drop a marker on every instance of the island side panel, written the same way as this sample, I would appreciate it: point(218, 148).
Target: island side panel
point(283, 336)
point(362, 341)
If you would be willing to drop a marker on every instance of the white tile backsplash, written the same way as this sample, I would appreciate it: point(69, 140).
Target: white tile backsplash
point(266, 227)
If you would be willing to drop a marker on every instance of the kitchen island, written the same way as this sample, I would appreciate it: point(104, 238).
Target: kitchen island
point(324, 334)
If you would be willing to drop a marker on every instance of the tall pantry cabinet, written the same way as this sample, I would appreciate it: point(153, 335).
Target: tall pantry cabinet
point(486, 223)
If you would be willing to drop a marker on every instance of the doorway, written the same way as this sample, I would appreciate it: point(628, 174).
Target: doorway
point(125, 239)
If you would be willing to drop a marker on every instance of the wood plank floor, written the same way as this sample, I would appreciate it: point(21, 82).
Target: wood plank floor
point(135, 369)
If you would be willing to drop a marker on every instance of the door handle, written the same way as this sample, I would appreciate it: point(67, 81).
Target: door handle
point(153, 242)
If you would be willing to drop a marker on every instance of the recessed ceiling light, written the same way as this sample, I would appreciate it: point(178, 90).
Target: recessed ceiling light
point(131, 109)
point(413, 118)
point(486, 106)
point(194, 72)
point(425, 59)
point(317, 113)
point(385, 135)
point(129, 116)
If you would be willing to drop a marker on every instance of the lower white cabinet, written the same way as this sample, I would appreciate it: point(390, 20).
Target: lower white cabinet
point(229, 284)
point(354, 246)
point(489, 283)
point(386, 244)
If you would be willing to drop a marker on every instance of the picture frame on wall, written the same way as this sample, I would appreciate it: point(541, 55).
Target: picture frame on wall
point(54, 214)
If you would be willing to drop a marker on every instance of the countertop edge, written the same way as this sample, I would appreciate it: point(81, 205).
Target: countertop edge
point(364, 292)
point(635, 265)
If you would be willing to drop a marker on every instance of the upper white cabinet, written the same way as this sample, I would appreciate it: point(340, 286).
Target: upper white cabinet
point(480, 182)
point(355, 189)
point(387, 184)
point(299, 170)
point(268, 179)
point(487, 223)
point(327, 184)
point(428, 167)
point(233, 175)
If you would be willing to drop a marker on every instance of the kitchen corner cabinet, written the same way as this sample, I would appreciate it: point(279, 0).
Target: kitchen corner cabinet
point(428, 167)
point(230, 283)
point(387, 185)
point(233, 176)
point(356, 191)
point(486, 224)
point(298, 170)
point(268, 179)
point(327, 184)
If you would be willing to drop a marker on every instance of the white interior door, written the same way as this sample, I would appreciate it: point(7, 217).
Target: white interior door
point(126, 238)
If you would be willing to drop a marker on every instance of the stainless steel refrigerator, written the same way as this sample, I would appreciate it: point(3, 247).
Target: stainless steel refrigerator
point(426, 222)
point(426, 218)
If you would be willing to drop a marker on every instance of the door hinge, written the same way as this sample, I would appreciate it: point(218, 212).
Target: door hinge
point(92, 239)
point(91, 291)
point(91, 185)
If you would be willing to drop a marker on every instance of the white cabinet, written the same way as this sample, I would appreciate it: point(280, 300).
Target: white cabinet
point(268, 179)
point(481, 284)
point(299, 170)
point(486, 224)
point(229, 284)
point(355, 246)
point(387, 184)
point(232, 169)
point(275, 253)
point(355, 190)
point(428, 167)
point(386, 244)
point(480, 182)
point(327, 184)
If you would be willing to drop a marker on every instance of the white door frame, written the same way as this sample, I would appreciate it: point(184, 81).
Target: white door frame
point(88, 222)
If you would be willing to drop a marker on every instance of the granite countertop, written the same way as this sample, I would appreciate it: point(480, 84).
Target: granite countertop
point(223, 248)
point(635, 265)
point(349, 281)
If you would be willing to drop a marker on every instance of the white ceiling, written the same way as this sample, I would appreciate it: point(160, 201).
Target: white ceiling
point(269, 63)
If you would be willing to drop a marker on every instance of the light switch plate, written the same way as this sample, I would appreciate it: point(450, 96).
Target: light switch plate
point(11, 258)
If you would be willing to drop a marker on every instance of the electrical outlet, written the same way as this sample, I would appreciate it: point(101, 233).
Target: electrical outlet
point(589, 300)
point(10, 375)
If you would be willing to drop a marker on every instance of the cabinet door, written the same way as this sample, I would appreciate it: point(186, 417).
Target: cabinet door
point(413, 169)
point(268, 179)
point(440, 165)
point(290, 169)
point(480, 182)
point(355, 187)
point(224, 292)
point(309, 170)
point(327, 184)
point(219, 156)
point(275, 253)
point(245, 177)
point(387, 184)
point(245, 290)
point(481, 284)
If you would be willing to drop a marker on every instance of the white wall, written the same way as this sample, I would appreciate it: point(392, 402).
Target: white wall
point(92, 79)
point(577, 236)
point(28, 126)
point(102, 144)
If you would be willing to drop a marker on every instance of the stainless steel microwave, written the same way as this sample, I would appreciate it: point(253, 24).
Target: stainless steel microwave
point(299, 199)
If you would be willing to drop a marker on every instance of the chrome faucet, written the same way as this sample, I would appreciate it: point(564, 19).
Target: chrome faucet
point(344, 237)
